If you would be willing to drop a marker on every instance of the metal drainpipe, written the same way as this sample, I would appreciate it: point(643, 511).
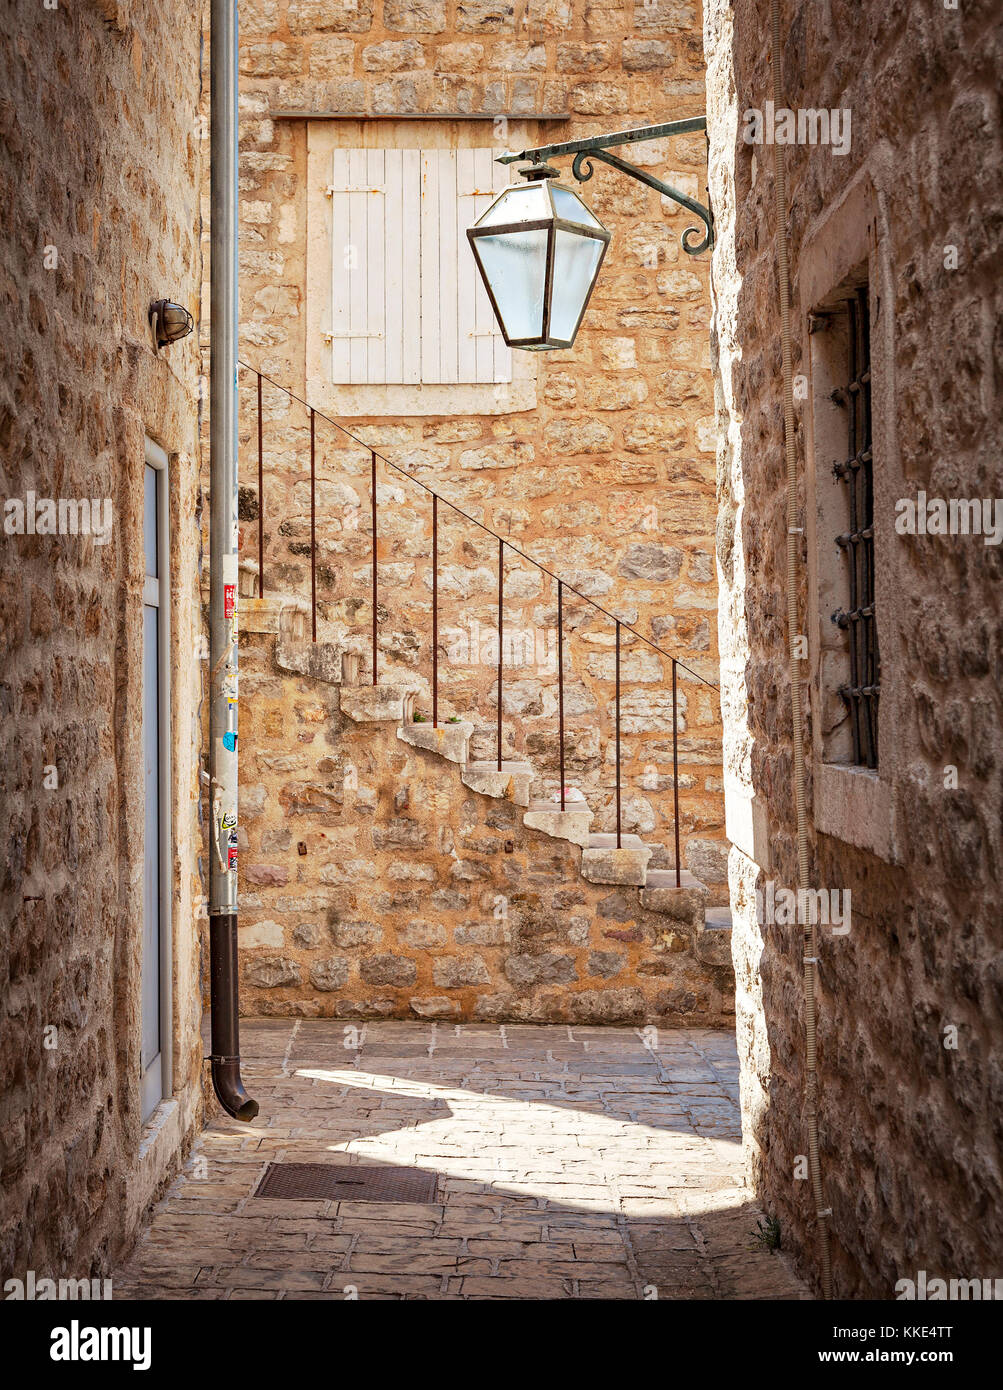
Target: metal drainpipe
point(223, 567)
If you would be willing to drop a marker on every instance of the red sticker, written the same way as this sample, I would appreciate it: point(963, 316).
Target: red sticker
point(229, 600)
point(231, 859)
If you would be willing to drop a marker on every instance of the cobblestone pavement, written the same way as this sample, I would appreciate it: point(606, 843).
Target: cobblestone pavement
point(572, 1163)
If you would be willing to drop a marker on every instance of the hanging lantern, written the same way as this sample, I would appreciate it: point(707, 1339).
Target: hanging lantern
point(538, 249)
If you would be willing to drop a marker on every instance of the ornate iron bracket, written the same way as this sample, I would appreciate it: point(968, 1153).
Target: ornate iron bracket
point(598, 147)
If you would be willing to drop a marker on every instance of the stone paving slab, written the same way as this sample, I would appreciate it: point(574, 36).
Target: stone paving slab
point(574, 1163)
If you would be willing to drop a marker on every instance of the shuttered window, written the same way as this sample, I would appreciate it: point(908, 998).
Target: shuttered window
point(407, 306)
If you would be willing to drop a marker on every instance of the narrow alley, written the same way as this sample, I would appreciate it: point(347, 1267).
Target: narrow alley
point(563, 1163)
point(501, 602)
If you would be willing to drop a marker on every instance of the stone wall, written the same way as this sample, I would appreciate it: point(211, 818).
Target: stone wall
point(100, 162)
point(607, 479)
point(911, 1109)
point(375, 884)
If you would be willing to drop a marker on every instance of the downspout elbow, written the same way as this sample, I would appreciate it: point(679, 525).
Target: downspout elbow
point(229, 1089)
point(225, 1049)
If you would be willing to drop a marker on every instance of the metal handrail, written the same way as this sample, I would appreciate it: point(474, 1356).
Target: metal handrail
point(473, 520)
point(620, 625)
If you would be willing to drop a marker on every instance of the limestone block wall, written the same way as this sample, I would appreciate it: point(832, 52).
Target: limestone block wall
point(607, 478)
point(375, 884)
point(909, 1002)
point(100, 166)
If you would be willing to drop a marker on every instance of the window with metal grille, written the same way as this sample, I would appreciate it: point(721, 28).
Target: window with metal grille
point(858, 619)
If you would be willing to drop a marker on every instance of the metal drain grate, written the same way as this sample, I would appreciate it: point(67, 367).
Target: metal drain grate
point(347, 1183)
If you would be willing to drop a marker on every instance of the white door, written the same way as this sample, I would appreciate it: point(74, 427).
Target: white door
point(157, 955)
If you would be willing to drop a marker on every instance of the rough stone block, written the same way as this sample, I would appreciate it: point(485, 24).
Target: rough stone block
point(525, 971)
point(606, 963)
point(453, 972)
point(347, 934)
point(388, 969)
point(259, 934)
point(434, 1006)
point(487, 16)
point(330, 973)
point(318, 16)
point(607, 1006)
point(415, 16)
point(270, 972)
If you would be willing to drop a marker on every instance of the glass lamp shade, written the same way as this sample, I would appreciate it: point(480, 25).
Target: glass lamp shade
point(538, 249)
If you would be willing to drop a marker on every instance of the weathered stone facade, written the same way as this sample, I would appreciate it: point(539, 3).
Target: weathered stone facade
point(100, 219)
point(910, 1108)
point(604, 473)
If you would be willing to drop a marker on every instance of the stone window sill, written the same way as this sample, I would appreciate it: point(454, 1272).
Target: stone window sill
point(854, 805)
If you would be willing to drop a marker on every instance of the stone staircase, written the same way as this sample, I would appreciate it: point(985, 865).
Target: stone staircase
point(603, 861)
point(378, 897)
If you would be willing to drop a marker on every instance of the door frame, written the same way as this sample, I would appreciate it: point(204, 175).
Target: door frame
point(158, 592)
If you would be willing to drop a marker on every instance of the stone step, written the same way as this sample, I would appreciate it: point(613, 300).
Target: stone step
point(713, 939)
point(570, 824)
point(607, 840)
point(687, 903)
point(626, 866)
point(513, 781)
point(666, 878)
point(450, 741)
point(321, 661)
point(377, 704)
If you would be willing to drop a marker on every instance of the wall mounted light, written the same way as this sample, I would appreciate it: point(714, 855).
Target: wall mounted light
point(170, 322)
point(538, 249)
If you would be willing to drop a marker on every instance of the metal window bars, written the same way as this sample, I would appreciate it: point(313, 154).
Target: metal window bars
point(562, 586)
point(858, 620)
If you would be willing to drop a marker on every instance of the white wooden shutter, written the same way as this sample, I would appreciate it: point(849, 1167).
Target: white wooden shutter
point(358, 194)
point(407, 305)
point(483, 353)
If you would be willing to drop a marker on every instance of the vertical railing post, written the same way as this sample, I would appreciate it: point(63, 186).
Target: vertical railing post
point(435, 610)
point(375, 595)
point(261, 501)
point(501, 621)
point(675, 772)
point(313, 527)
point(560, 683)
point(618, 812)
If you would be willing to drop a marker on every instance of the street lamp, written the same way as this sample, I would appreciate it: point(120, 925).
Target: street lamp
point(539, 250)
point(538, 247)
